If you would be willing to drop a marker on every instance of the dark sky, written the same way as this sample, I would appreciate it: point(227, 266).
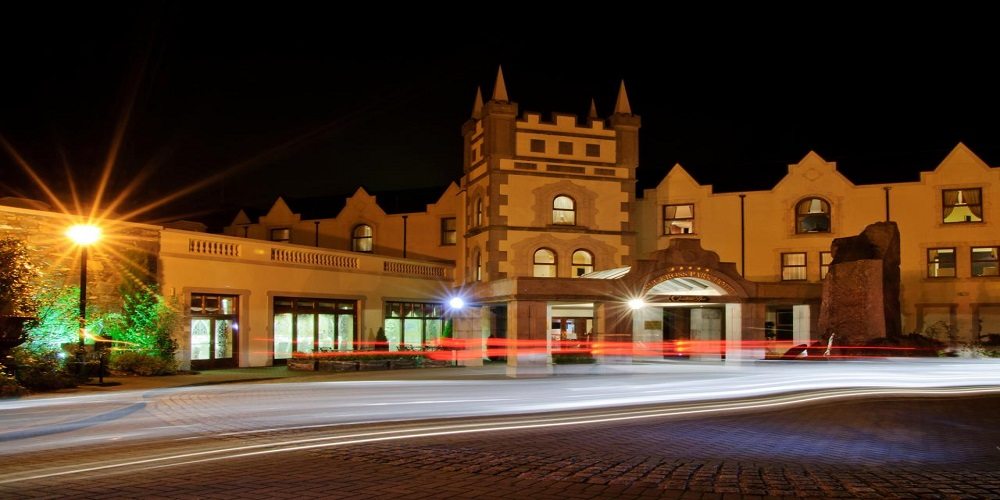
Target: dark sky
point(288, 101)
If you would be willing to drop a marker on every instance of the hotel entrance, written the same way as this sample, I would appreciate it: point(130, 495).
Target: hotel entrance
point(696, 330)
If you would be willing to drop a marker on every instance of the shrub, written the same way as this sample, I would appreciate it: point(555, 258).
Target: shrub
point(912, 344)
point(145, 324)
point(41, 369)
point(141, 363)
point(572, 358)
point(58, 320)
point(9, 388)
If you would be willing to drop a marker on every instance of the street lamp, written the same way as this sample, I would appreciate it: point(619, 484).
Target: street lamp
point(83, 235)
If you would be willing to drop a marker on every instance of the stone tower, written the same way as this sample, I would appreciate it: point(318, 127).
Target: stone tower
point(563, 186)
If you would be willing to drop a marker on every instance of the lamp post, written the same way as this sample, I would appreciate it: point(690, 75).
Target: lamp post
point(83, 235)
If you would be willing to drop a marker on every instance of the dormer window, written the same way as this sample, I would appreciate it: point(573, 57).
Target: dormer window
point(361, 238)
point(812, 215)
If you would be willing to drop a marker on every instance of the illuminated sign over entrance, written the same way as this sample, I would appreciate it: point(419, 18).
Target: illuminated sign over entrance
point(702, 273)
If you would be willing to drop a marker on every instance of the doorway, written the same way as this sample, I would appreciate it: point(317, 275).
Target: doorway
point(214, 331)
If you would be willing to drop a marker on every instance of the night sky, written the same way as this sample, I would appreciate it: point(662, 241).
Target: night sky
point(275, 101)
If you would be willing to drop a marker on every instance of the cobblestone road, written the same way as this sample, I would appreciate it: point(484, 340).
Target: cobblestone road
point(913, 448)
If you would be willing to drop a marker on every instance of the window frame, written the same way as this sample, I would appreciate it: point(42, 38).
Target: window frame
point(571, 211)
point(973, 261)
point(554, 265)
point(565, 147)
point(574, 265)
point(800, 216)
point(804, 266)
point(478, 212)
point(666, 220)
point(286, 239)
point(356, 240)
point(591, 150)
point(824, 269)
point(930, 262)
point(945, 212)
point(446, 232)
point(532, 143)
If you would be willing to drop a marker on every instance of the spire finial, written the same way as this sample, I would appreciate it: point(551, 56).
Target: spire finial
point(593, 110)
point(500, 89)
point(477, 105)
point(622, 106)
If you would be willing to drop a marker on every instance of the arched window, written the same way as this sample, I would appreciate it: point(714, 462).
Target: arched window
point(361, 238)
point(477, 266)
point(545, 263)
point(563, 210)
point(583, 263)
point(479, 212)
point(812, 215)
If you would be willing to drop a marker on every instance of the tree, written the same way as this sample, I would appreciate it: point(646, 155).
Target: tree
point(18, 279)
point(18, 285)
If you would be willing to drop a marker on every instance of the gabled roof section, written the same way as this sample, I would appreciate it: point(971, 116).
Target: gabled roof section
point(280, 210)
point(959, 156)
point(813, 169)
point(679, 176)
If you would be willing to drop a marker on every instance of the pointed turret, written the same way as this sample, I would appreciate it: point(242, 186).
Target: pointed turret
point(622, 106)
point(500, 89)
point(477, 105)
point(593, 110)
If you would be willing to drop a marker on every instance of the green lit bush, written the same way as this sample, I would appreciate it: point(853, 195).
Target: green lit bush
point(141, 363)
point(145, 323)
point(58, 320)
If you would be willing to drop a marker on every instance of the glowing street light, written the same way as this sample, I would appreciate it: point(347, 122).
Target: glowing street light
point(636, 303)
point(83, 235)
point(456, 303)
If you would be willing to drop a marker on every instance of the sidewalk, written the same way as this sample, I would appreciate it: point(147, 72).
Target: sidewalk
point(271, 374)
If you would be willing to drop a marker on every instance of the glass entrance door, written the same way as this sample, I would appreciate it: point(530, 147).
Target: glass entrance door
point(214, 331)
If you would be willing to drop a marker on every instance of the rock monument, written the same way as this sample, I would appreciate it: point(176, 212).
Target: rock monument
point(861, 291)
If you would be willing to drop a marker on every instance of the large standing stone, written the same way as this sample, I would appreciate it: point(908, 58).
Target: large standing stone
point(861, 291)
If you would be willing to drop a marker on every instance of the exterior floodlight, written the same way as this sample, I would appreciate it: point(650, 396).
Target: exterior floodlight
point(456, 303)
point(84, 234)
point(636, 303)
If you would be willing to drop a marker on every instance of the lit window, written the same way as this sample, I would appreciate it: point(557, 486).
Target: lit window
point(593, 150)
point(281, 234)
point(812, 215)
point(940, 262)
point(545, 263)
point(477, 265)
point(825, 259)
point(565, 148)
point(793, 266)
point(563, 210)
point(361, 238)
point(583, 263)
point(678, 219)
point(449, 236)
point(962, 205)
point(985, 261)
point(537, 146)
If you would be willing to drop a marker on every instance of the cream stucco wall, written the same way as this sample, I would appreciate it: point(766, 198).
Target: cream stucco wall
point(257, 271)
point(916, 207)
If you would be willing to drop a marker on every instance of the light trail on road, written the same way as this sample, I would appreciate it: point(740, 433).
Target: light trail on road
point(414, 431)
point(201, 423)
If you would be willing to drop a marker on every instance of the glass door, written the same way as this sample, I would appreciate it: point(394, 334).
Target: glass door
point(214, 327)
